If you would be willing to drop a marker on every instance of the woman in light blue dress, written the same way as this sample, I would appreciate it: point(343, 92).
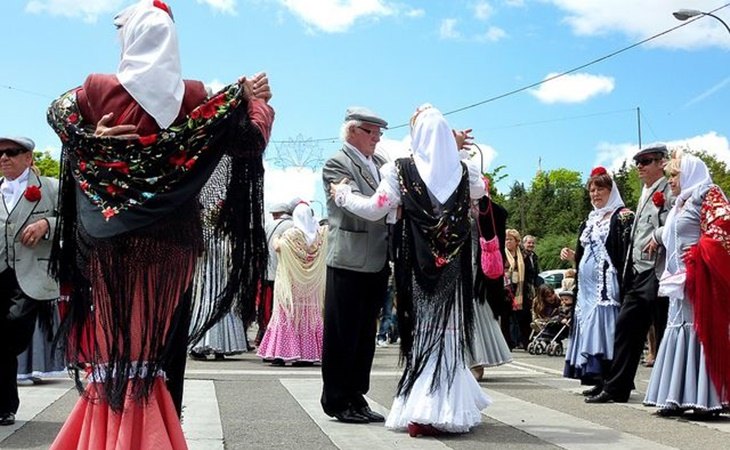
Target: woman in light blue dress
point(600, 254)
point(681, 380)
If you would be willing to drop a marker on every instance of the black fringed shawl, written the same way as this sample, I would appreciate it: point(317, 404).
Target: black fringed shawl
point(156, 203)
point(433, 278)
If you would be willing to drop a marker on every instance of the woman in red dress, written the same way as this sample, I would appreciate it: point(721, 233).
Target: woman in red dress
point(153, 168)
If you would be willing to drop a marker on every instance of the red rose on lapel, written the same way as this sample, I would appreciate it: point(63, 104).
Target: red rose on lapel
point(658, 199)
point(32, 193)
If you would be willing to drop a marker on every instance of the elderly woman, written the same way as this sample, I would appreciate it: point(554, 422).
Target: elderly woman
point(433, 189)
point(294, 333)
point(518, 326)
point(691, 368)
point(601, 250)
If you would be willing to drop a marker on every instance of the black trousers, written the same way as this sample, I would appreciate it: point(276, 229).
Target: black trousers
point(177, 349)
point(17, 321)
point(640, 308)
point(351, 305)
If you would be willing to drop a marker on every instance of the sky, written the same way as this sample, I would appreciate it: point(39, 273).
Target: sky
point(391, 56)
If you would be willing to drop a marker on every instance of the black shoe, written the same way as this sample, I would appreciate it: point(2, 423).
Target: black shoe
point(592, 392)
point(278, 362)
point(371, 415)
point(605, 397)
point(669, 412)
point(7, 419)
point(350, 416)
point(198, 356)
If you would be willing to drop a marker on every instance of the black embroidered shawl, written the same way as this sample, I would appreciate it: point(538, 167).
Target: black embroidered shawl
point(157, 200)
point(433, 278)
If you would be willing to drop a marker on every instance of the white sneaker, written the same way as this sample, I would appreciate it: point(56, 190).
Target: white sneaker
point(382, 343)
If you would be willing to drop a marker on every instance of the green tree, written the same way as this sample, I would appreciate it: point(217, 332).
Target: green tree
point(718, 170)
point(48, 166)
point(548, 250)
point(628, 183)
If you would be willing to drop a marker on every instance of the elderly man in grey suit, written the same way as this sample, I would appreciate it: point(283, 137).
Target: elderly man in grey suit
point(641, 306)
point(28, 217)
point(357, 274)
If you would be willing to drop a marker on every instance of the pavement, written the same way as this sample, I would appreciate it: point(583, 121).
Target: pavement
point(243, 403)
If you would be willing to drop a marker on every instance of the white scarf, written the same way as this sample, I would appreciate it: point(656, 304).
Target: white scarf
point(693, 174)
point(150, 66)
point(304, 220)
point(12, 190)
point(597, 215)
point(435, 154)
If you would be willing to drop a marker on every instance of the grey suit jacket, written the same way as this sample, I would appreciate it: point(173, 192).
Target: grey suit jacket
point(353, 243)
point(649, 221)
point(30, 264)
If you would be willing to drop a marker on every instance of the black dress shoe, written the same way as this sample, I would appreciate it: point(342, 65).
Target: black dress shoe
point(7, 419)
point(605, 397)
point(595, 390)
point(350, 416)
point(669, 412)
point(371, 415)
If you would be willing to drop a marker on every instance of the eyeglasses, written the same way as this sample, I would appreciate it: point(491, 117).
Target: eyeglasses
point(10, 152)
point(379, 133)
point(646, 161)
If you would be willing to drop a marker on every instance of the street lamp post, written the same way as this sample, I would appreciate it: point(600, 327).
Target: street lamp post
point(684, 14)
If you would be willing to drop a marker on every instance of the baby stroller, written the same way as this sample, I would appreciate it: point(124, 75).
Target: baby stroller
point(549, 339)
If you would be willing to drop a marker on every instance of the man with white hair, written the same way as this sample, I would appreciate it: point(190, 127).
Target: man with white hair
point(28, 218)
point(357, 273)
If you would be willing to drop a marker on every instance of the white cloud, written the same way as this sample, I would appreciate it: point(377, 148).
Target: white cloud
point(493, 34)
point(573, 88)
point(638, 20)
point(283, 185)
point(613, 155)
point(448, 29)
point(215, 85)
point(86, 10)
point(224, 6)
point(336, 16)
point(515, 3)
point(483, 10)
point(416, 12)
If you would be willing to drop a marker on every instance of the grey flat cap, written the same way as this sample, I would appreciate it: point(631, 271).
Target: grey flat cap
point(281, 207)
point(24, 142)
point(364, 115)
point(657, 148)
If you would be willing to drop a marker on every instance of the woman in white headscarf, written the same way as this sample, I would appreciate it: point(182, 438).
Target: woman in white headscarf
point(603, 241)
point(692, 369)
point(294, 333)
point(138, 211)
point(433, 190)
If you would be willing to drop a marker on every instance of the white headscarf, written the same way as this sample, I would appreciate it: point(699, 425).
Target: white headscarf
point(150, 66)
point(435, 153)
point(693, 174)
point(614, 202)
point(303, 217)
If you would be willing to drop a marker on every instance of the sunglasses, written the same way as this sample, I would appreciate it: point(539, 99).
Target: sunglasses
point(646, 161)
point(380, 133)
point(11, 152)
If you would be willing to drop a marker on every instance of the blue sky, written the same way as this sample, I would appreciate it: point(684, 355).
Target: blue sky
point(322, 56)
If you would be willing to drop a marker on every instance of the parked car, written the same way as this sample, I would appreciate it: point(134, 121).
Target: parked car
point(553, 278)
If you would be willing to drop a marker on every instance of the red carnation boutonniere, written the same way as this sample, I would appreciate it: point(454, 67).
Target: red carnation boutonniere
point(658, 199)
point(32, 193)
point(600, 170)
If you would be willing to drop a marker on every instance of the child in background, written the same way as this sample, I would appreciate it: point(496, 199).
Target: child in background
point(545, 307)
point(568, 283)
